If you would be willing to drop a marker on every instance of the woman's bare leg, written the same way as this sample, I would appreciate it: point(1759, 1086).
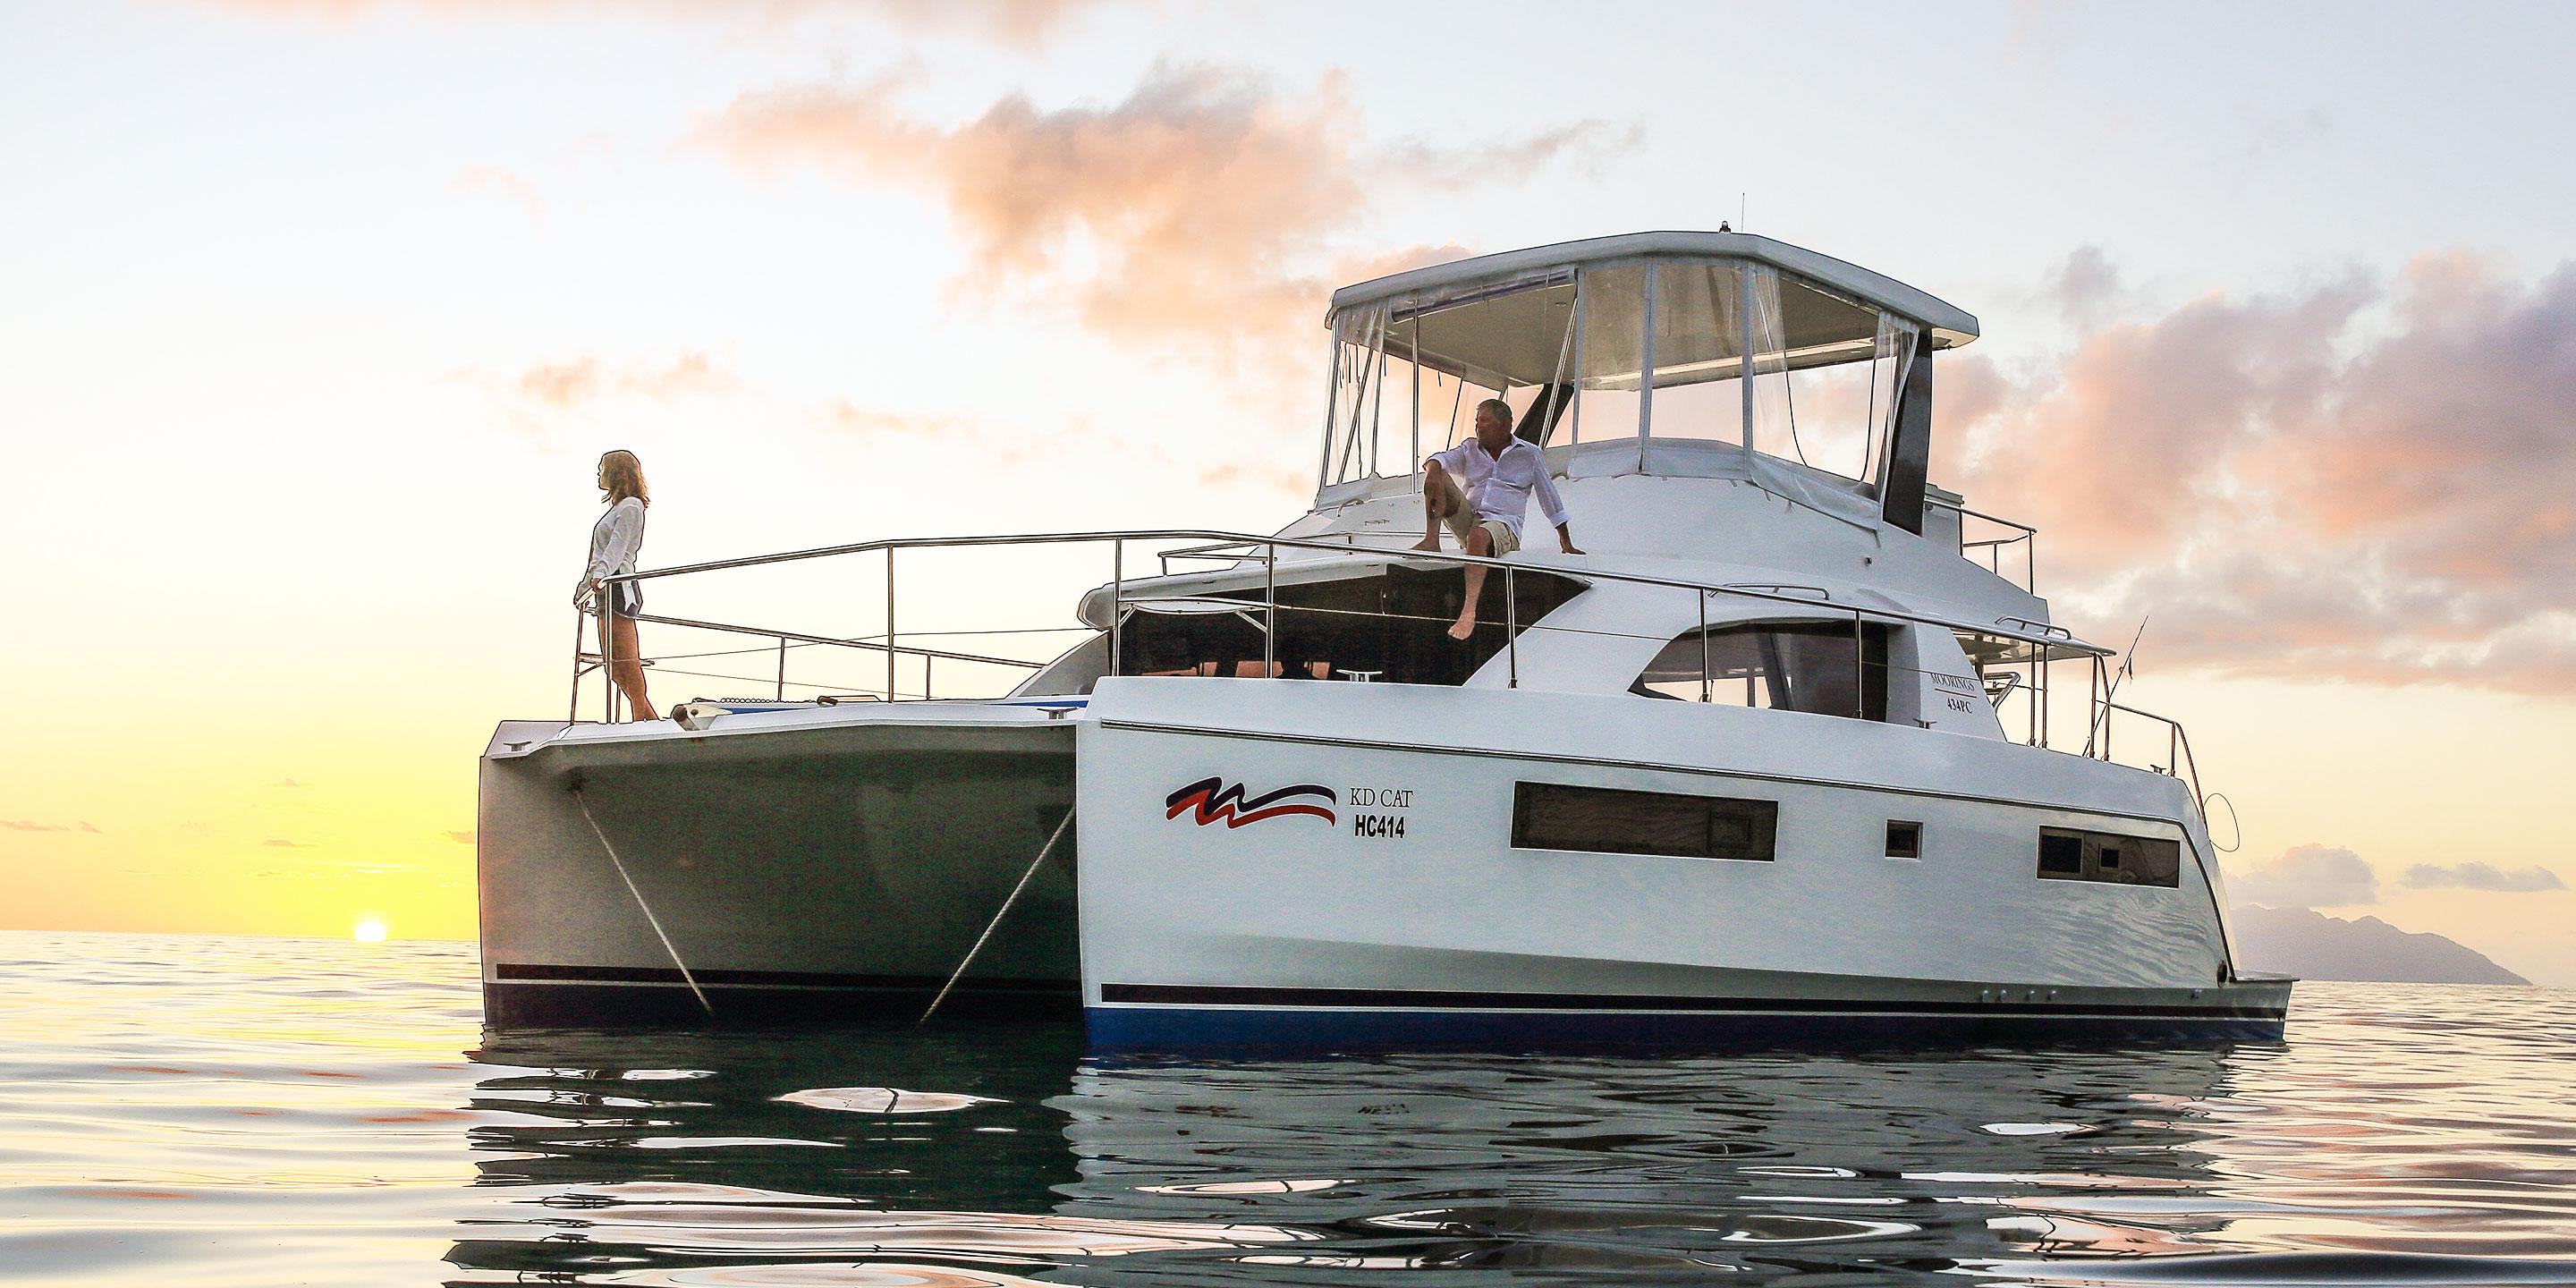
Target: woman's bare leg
point(617, 641)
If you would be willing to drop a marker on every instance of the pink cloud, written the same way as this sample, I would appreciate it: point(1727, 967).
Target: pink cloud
point(1009, 22)
point(501, 182)
point(559, 384)
point(2365, 479)
point(1205, 207)
point(691, 374)
point(572, 382)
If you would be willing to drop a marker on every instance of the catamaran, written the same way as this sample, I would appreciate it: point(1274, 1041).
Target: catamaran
point(1791, 751)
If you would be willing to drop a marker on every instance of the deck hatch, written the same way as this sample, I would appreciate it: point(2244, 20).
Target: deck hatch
point(1603, 820)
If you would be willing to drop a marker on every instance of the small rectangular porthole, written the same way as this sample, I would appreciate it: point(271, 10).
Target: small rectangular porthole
point(1904, 840)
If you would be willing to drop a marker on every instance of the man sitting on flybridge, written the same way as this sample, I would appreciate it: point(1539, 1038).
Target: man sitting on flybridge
point(1498, 472)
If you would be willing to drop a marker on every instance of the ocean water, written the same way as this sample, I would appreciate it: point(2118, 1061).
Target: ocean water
point(205, 1110)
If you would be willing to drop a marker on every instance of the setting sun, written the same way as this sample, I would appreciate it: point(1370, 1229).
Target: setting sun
point(369, 930)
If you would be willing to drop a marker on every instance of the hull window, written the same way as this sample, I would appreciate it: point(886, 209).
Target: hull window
point(1600, 820)
point(2069, 854)
point(1904, 840)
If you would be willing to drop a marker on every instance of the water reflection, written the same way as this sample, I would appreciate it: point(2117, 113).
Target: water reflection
point(1003, 1158)
point(238, 1114)
point(1772, 1165)
point(742, 1159)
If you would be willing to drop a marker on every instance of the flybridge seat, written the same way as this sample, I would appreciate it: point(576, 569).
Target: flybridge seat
point(1698, 354)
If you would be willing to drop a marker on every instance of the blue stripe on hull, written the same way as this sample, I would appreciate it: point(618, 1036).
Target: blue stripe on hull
point(1154, 1028)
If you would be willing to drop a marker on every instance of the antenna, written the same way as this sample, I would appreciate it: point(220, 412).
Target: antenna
point(2129, 660)
point(2094, 728)
point(1741, 201)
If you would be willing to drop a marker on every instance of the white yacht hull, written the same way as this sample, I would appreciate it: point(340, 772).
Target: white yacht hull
point(838, 865)
point(1409, 918)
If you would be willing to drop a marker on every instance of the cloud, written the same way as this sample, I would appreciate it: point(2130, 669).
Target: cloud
point(847, 417)
point(2086, 288)
point(2479, 876)
point(2278, 138)
point(990, 446)
point(465, 837)
point(1008, 22)
point(559, 384)
point(2307, 876)
point(691, 374)
point(500, 182)
point(1013, 22)
point(29, 825)
point(2363, 479)
point(1206, 207)
point(281, 843)
point(574, 382)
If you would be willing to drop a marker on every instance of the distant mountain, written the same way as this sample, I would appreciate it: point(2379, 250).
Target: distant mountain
point(2311, 945)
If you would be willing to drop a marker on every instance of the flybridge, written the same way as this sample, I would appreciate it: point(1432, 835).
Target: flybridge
point(1708, 355)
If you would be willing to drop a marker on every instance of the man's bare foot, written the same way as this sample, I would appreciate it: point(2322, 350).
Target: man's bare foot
point(1430, 543)
point(1466, 626)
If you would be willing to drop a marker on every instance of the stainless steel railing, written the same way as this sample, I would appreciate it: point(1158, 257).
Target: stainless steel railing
point(1992, 550)
point(2040, 641)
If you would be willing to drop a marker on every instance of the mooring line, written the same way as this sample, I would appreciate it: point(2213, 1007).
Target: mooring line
point(960, 973)
point(649, 918)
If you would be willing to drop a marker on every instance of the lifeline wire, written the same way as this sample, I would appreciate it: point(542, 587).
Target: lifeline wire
point(1043, 852)
point(649, 918)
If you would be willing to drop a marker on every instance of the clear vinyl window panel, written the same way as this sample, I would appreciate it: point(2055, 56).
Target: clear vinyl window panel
point(1699, 353)
point(1354, 429)
point(1406, 379)
point(1838, 362)
point(1710, 351)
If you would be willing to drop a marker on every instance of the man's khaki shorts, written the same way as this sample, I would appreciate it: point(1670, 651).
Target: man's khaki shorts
point(1463, 521)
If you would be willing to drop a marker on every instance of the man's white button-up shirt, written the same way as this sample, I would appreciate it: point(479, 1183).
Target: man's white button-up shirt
point(1500, 487)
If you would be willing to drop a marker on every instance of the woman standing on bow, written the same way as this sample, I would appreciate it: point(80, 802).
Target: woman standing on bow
point(614, 542)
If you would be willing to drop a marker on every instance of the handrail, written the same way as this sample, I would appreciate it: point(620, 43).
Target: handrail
point(2051, 633)
point(853, 641)
point(2177, 749)
point(1822, 595)
point(2024, 535)
point(2023, 528)
point(1266, 550)
point(2048, 635)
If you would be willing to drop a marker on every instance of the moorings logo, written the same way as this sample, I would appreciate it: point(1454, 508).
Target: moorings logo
point(1214, 799)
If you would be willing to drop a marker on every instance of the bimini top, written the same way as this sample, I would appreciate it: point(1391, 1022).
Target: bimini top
point(1950, 326)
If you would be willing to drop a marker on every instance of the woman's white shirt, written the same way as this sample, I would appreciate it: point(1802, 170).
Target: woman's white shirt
point(615, 540)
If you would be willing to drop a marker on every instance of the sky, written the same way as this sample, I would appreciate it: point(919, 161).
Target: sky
point(319, 311)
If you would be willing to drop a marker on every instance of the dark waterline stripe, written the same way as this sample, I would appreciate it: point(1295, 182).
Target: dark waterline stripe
point(1175, 1029)
point(1194, 995)
point(769, 978)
